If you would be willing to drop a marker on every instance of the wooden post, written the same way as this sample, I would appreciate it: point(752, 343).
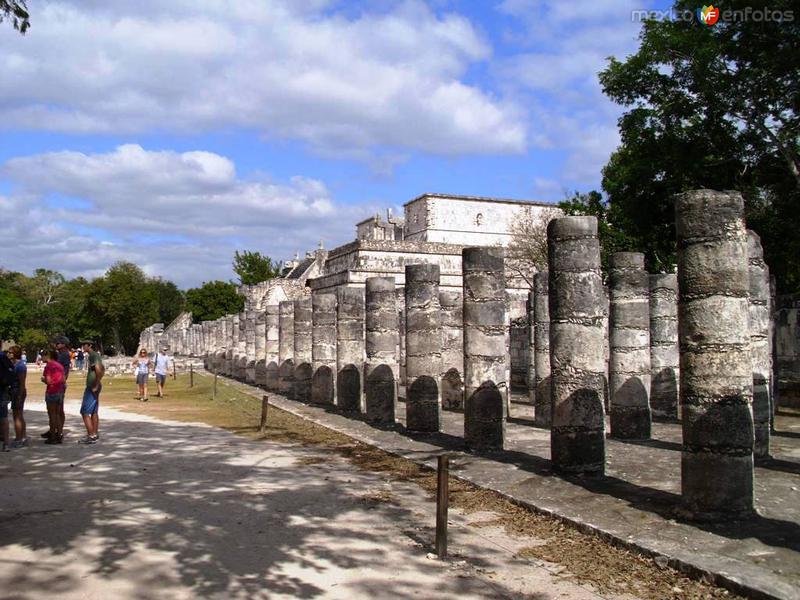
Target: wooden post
point(174, 371)
point(442, 501)
point(191, 376)
point(264, 412)
point(214, 397)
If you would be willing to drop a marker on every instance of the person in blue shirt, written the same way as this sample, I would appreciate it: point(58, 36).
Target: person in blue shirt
point(19, 392)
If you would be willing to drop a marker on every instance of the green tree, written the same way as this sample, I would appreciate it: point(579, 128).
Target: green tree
point(120, 305)
point(17, 12)
point(254, 267)
point(715, 107)
point(32, 340)
point(212, 300)
point(171, 300)
point(13, 313)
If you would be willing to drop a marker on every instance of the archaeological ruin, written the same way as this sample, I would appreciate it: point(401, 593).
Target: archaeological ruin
point(419, 316)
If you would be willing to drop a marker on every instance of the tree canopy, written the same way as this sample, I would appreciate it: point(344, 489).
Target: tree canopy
point(212, 300)
point(254, 267)
point(709, 107)
point(15, 11)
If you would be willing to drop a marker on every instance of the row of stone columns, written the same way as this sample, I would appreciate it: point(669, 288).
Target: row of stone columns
point(349, 342)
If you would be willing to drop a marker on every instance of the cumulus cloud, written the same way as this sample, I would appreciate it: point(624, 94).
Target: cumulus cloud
point(178, 215)
point(290, 69)
point(564, 47)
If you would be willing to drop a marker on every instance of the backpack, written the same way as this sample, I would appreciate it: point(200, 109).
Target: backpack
point(7, 374)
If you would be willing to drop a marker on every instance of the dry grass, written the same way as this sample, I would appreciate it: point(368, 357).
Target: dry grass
point(587, 558)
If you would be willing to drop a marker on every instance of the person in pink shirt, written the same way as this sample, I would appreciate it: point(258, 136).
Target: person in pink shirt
point(53, 377)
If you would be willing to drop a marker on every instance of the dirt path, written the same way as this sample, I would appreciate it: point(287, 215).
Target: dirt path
point(162, 509)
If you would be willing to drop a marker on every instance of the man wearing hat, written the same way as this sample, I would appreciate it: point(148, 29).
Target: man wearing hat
point(91, 395)
point(162, 363)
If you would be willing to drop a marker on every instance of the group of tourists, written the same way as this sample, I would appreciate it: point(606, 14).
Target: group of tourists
point(14, 392)
point(159, 366)
point(76, 358)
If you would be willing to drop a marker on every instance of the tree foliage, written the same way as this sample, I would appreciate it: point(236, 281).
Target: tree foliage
point(254, 267)
point(212, 300)
point(709, 107)
point(15, 11)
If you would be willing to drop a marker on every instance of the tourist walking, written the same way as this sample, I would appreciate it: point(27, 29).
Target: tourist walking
point(18, 393)
point(162, 364)
point(53, 378)
point(79, 360)
point(91, 395)
point(142, 365)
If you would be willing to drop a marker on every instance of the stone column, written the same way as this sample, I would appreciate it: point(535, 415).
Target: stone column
point(382, 340)
point(540, 325)
point(302, 331)
point(760, 349)
point(261, 335)
point(234, 346)
point(577, 313)
point(260, 343)
point(349, 348)
point(664, 356)
point(323, 347)
point(452, 382)
point(716, 386)
point(629, 347)
point(452, 313)
point(423, 348)
point(286, 331)
point(250, 346)
point(485, 348)
point(272, 346)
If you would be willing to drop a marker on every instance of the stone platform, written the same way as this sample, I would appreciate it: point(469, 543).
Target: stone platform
point(634, 505)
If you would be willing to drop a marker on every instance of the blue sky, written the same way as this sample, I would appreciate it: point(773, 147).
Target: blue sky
point(171, 134)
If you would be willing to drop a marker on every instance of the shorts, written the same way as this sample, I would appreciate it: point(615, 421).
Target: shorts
point(141, 378)
point(91, 401)
point(57, 398)
point(16, 403)
point(161, 378)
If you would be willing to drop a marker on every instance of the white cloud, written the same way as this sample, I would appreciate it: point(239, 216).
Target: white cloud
point(566, 45)
point(178, 215)
point(297, 70)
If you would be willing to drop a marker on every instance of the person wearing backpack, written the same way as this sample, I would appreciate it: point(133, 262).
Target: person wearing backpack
point(7, 376)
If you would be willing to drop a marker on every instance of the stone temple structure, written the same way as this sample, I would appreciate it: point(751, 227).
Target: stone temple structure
point(421, 312)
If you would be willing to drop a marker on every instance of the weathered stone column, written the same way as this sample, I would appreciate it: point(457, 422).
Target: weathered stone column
point(664, 356)
point(323, 347)
point(540, 326)
point(302, 331)
point(716, 386)
point(485, 348)
point(234, 345)
point(629, 346)
point(452, 312)
point(423, 348)
point(349, 348)
point(760, 348)
point(577, 312)
point(285, 331)
point(452, 316)
point(261, 334)
point(241, 347)
point(272, 347)
point(250, 346)
point(382, 340)
point(260, 342)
